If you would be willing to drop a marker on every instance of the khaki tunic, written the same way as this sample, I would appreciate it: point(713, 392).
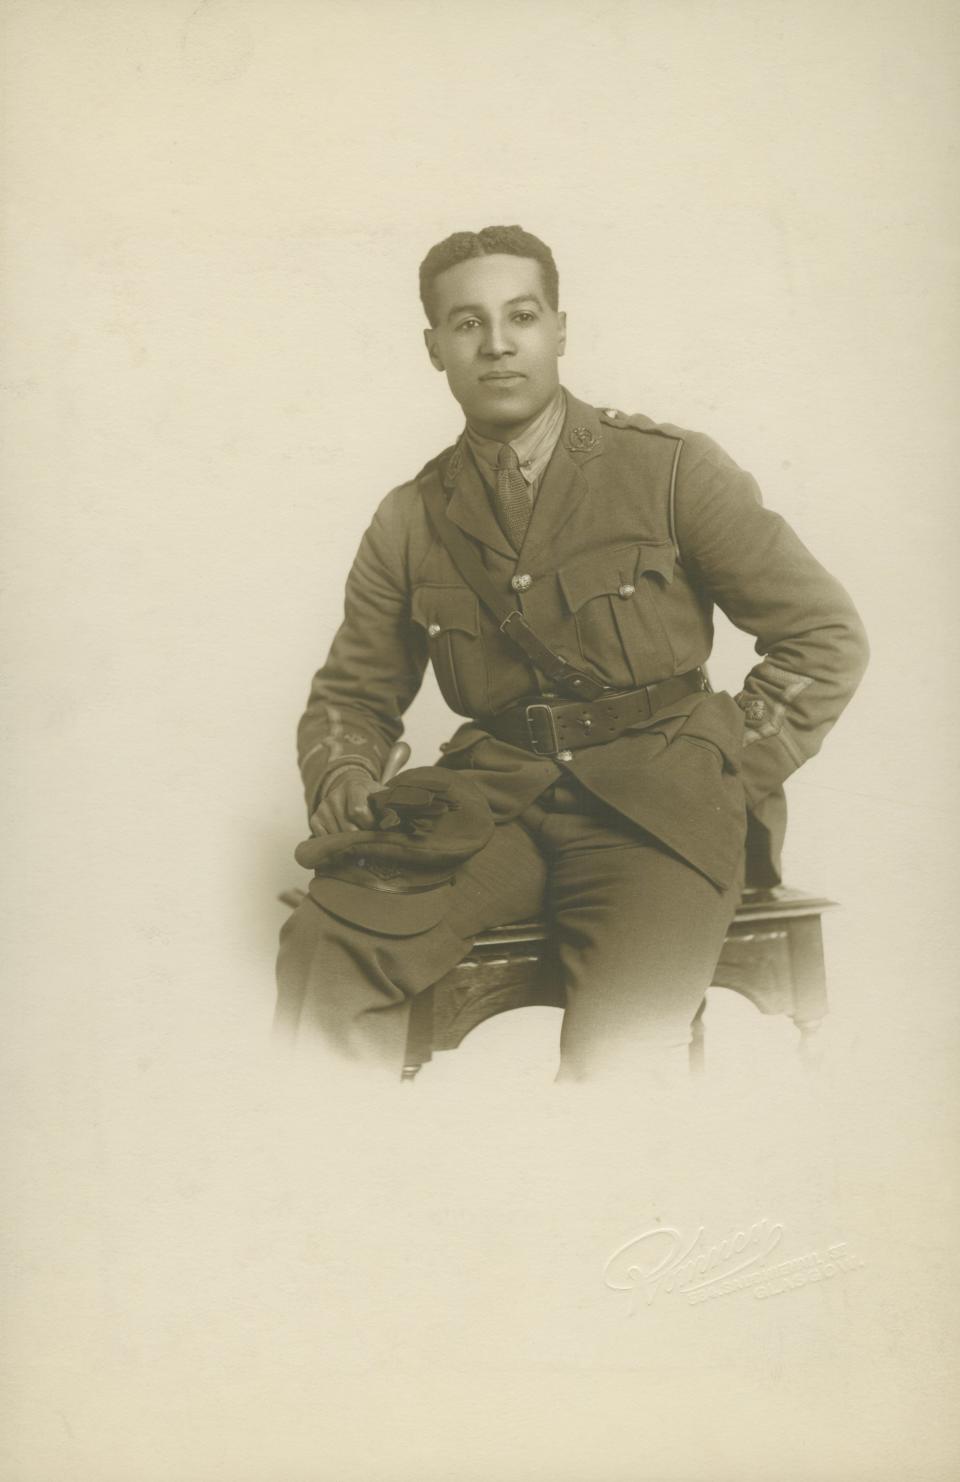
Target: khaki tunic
point(638, 530)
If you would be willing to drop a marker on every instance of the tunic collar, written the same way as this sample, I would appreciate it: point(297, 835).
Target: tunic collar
point(564, 484)
point(533, 447)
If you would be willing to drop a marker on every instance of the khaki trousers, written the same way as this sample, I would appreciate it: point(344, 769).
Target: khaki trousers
point(638, 932)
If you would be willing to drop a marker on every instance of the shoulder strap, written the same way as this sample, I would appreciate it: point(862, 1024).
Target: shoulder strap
point(639, 423)
point(510, 619)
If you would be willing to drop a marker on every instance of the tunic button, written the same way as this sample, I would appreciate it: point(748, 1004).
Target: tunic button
point(564, 756)
point(627, 589)
point(433, 629)
point(521, 583)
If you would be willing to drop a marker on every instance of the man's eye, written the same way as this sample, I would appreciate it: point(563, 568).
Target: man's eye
point(524, 316)
point(467, 323)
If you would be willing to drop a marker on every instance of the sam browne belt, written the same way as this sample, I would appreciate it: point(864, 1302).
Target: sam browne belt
point(547, 728)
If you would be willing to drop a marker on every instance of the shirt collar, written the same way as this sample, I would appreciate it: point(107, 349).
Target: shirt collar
point(533, 447)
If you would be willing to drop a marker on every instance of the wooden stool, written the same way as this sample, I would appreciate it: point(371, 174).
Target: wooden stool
point(773, 955)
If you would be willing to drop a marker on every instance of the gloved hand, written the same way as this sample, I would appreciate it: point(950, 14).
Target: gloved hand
point(345, 808)
point(423, 824)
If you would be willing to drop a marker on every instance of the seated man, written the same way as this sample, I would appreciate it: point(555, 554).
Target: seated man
point(558, 566)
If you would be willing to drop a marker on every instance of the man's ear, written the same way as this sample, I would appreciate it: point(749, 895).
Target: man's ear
point(430, 340)
point(561, 332)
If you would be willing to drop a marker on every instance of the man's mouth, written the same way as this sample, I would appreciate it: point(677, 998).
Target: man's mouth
point(503, 376)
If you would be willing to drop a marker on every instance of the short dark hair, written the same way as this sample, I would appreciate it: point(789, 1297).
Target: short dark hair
point(461, 246)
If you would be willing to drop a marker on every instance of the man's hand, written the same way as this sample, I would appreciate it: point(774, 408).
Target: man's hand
point(345, 807)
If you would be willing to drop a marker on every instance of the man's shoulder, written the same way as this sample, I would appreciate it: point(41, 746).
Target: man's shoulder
point(411, 490)
point(633, 421)
point(400, 514)
point(696, 445)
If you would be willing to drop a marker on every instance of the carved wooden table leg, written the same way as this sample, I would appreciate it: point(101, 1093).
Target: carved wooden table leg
point(809, 986)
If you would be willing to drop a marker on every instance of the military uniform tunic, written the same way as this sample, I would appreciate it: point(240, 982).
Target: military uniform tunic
point(637, 530)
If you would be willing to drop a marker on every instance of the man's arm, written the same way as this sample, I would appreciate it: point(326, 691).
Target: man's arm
point(766, 581)
point(372, 673)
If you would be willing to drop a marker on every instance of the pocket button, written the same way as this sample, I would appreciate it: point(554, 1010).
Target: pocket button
point(627, 589)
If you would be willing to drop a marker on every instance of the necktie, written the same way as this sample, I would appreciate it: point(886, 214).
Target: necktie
point(512, 500)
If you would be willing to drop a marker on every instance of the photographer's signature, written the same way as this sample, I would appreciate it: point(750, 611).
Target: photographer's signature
point(662, 1260)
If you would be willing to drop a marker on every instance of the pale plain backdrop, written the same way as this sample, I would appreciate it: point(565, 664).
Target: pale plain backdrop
point(218, 1268)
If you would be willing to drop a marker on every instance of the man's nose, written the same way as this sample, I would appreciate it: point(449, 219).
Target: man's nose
point(496, 341)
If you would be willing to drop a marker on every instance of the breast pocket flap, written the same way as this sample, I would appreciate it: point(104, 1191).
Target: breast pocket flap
point(614, 572)
point(446, 608)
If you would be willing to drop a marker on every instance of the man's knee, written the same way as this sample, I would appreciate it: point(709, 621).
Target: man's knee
point(346, 980)
point(349, 984)
point(334, 983)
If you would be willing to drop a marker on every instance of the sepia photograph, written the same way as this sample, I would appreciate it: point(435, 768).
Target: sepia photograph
point(479, 726)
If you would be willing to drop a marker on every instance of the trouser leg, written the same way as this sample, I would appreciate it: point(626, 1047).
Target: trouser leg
point(639, 933)
point(352, 987)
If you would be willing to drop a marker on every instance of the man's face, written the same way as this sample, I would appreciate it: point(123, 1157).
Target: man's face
point(498, 341)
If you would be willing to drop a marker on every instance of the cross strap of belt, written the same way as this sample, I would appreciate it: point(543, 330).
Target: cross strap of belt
point(551, 729)
point(562, 675)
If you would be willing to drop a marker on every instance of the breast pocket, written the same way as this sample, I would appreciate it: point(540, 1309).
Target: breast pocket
point(615, 598)
point(450, 617)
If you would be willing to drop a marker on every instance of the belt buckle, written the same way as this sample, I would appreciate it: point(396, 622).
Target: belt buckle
point(552, 735)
